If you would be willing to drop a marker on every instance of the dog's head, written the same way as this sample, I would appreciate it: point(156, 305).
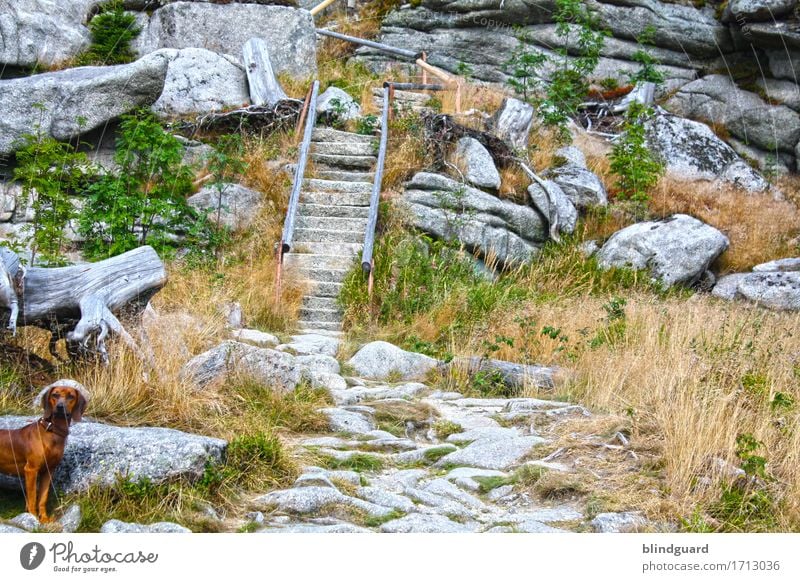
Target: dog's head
point(64, 398)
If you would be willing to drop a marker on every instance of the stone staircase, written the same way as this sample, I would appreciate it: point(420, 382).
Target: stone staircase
point(331, 221)
point(404, 101)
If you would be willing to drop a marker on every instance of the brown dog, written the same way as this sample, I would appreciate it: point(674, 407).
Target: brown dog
point(35, 450)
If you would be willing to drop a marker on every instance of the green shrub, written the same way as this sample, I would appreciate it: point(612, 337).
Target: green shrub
point(50, 173)
point(112, 31)
point(648, 71)
point(145, 201)
point(636, 167)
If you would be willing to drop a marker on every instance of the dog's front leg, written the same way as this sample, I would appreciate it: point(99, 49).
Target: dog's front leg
point(43, 493)
point(31, 474)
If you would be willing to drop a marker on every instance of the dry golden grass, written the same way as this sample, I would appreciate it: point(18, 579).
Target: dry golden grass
point(760, 228)
point(691, 375)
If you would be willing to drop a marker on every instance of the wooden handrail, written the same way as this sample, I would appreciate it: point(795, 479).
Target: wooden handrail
point(372, 221)
point(321, 6)
point(299, 171)
point(370, 43)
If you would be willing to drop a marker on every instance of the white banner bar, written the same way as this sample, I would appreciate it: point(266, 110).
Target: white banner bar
point(400, 557)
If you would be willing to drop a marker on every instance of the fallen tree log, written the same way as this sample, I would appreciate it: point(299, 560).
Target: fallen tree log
point(83, 303)
point(265, 90)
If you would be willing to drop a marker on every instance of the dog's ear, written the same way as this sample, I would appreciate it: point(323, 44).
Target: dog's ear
point(79, 408)
point(45, 398)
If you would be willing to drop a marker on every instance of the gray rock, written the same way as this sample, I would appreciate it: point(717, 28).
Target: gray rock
point(691, 151)
point(425, 523)
point(465, 476)
point(276, 370)
point(200, 81)
point(239, 206)
point(71, 519)
point(580, 185)
point(571, 155)
point(498, 493)
point(778, 290)
point(337, 103)
point(117, 526)
point(26, 521)
point(334, 384)
point(533, 526)
point(513, 375)
point(367, 393)
point(341, 420)
point(676, 250)
point(312, 344)
point(315, 528)
point(445, 488)
point(4, 529)
point(513, 122)
point(99, 453)
point(783, 265)
point(425, 454)
point(716, 99)
point(350, 477)
point(449, 210)
point(477, 162)
point(258, 338)
point(76, 101)
point(318, 363)
point(758, 10)
point(500, 454)
point(226, 28)
point(381, 360)
point(484, 433)
point(618, 522)
point(554, 205)
point(9, 192)
point(386, 499)
point(784, 92)
point(42, 32)
point(313, 480)
point(311, 500)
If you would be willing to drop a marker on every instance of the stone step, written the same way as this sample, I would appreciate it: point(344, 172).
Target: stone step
point(306, 261)
point(324, 289)
point(316, 276)
point(336, 161)
point(333, 236)
point(329, 315)
point(343, 149)
point(321, 302)
point(340, 199)
point(332, 223)
point(329, 134)
point(305, 209)
point(305, 324)
point(342, 176)
point(339, 250)
point(318, 185)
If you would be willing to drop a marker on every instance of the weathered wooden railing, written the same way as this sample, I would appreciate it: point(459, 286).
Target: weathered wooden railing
point(420, 59)
point(310, 109)
point(367, 262)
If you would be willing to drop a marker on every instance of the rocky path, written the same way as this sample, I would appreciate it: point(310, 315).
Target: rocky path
point(406, 458)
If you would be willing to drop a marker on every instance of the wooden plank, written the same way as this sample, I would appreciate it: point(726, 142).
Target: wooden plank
point(372, 221)
point(265, 90)
point(320, 7)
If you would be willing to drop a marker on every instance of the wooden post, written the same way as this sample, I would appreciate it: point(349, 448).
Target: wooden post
point(424, 58)
point(458, 97)
point(279, 274)
point(303, 112)
point(371, 280)
point(390, 88)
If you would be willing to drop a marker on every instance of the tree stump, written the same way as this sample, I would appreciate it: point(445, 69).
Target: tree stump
point(82, 302)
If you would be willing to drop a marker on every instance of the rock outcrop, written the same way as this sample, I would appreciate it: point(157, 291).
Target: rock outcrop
point(99, 454)
point(69, 103)
point(676, 250)
point(691, 151)
point(225, 28)
point(485, 224)
point(201, 81)
point(774, 285)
